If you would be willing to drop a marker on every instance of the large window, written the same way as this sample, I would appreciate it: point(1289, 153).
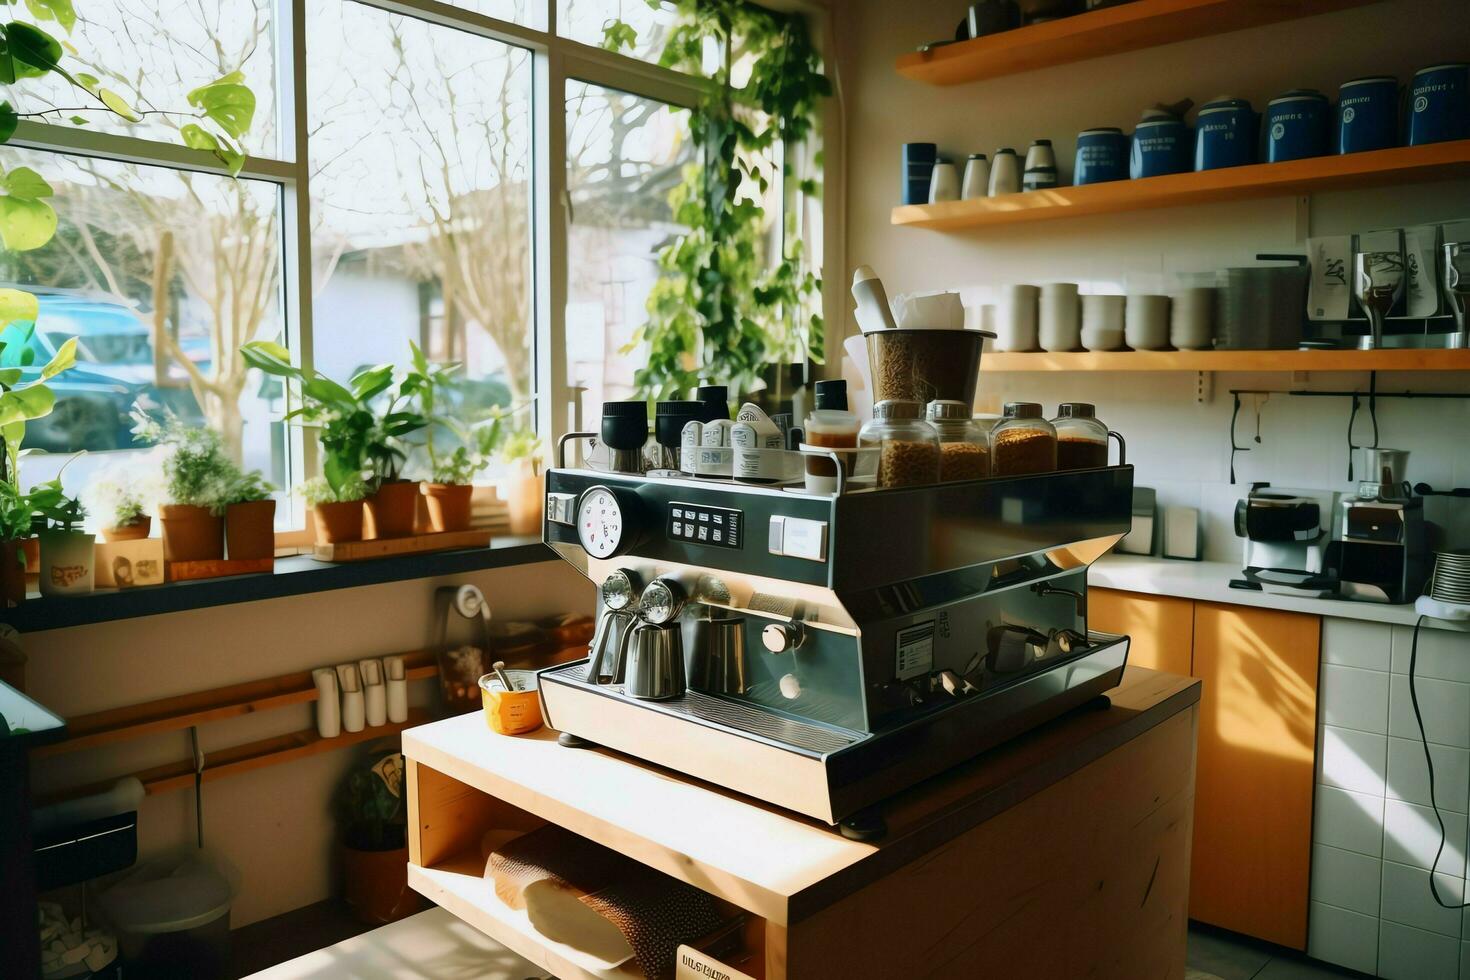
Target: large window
point(457, 174)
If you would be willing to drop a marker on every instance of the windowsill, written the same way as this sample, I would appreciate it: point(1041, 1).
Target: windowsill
point(298, 575)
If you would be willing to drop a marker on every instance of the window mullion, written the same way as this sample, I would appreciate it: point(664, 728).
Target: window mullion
point(297, 231)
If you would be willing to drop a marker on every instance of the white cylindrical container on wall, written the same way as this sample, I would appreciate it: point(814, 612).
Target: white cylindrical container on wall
point(1102, 322)
point(1060, 321)
point(374, 694)
point(1146, 322)
point(328, 704)
point(944, 183)
point(1015, 322)
point(354, 714)
point(396, 681)
point(977, 177)
point(1005, 172)
point(1192, 319)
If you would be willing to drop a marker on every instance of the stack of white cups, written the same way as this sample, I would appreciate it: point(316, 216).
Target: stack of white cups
point(367, 694)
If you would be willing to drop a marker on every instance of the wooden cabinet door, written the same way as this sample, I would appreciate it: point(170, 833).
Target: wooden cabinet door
point(1161, 628)
point(1253, 792)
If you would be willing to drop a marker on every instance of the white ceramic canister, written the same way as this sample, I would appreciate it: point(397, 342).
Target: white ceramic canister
point(944, 183)
point(1015, 322)
point(1192, 318)
point(1102, 322)
point(1005, 172)
point(1059, 317)
point(1041, 167)
point(1146, 322)
point(976, 182)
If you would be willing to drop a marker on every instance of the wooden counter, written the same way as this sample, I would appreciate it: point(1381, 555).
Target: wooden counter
point(1064, 852)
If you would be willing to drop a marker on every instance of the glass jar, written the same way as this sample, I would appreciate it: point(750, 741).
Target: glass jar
point(908, 447)
point(828, 428)
point(1022, 442)
point(1082, 441)
point(964, 446)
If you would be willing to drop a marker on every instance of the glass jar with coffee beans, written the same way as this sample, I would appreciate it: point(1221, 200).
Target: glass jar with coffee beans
point(1082, 440)
point(908, 447)
point(964, 446)
point(1022, 442)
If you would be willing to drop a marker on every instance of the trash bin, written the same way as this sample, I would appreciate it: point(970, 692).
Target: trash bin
point(172, 918)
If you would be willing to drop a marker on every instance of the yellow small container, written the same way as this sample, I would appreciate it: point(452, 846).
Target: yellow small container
point(511, 712)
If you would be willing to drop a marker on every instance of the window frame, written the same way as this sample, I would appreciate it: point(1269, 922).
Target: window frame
point(554, 61)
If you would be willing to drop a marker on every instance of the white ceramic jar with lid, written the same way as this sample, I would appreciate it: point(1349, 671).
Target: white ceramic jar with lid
point(908, 447)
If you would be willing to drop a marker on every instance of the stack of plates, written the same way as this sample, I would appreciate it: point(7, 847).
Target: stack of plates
point(1451, 580)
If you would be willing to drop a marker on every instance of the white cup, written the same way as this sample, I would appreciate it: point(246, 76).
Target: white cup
point(1102, 322)
point(1192, 319)
point(1146, 322)
point(1059, 317)
point(976, 182)
point(944, 183)
point(1015, 325)
point(1005, 173)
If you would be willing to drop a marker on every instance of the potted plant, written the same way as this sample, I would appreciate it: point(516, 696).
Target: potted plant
point(197, 477)
point(337, 512)
point(67, 552)
point(358, 444)
point(118, 505)
point(373, 819)
point(250, 518)
point(17, 514)
point(523, 491)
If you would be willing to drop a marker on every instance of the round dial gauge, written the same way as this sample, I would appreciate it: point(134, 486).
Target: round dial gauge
point(601, 522)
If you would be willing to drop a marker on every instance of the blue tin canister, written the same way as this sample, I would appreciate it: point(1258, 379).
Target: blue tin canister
point(1161, 145)
point(1368, 114)
point(1102, 155)
point(918, 166)
point(1439, 104)
point(1225, 135)
point(1296, 126)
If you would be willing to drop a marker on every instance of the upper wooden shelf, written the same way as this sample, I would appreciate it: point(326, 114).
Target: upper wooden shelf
point(1401, 165)
point(1112, 30)
point(1232, 360)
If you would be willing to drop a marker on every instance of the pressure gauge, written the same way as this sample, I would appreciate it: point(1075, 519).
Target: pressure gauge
point(602, 522)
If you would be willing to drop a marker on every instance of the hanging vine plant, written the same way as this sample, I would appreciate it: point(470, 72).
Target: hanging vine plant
point(721, 309)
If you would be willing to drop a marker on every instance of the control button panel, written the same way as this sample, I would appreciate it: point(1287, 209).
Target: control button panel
point(701, 524)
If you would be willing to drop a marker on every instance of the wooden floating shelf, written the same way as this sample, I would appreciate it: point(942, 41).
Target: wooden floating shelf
point(187, 710)
point(189, 571)
point(1232, 360)
point(1401, 165)
point(412, 545)
point(1112, 30)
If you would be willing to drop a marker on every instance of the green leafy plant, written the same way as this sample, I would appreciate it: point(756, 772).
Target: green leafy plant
point(21, 514)
point(248, 488)
point(370, 807)
point(521, 443)
point(196, 469)
point(24, 402)
point(358, 442)
point(716, 295)
point(318, 491)
point(64, 514)
point(115, 502)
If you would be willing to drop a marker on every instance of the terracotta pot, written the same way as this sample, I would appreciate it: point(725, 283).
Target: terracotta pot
point(68, 562)
point(250, 529)
point(338, 522)
point(31, 548)
point(139, 528)
point(449, 505)
point(524, 498)
point(12, 573)
point(375, 884)
point(191, 533)
point(389, 512)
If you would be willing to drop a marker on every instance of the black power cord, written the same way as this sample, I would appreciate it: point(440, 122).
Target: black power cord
point(1429, 762)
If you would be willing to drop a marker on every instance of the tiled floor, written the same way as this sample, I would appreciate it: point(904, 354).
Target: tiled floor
point(1216, 953)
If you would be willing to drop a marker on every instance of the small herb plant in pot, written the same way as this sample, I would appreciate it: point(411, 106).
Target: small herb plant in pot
point(20, 514)
point(373, 825)
point(524, 493)
point(198, 477)
point(118, 506)
point(336, 511)
point(67, 552)
point(250, 518)
point(392, 501)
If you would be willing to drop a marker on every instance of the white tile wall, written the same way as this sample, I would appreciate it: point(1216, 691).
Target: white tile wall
point(1354, 643)
point(1445, 706)
point(1374, 834)
point(1346, 879)
point(1354, 760)
point(1408, 776)
point(1351, 697)
point(1406, 953)
point(1408, 901)
point(1346, 938)
point(1411, 836)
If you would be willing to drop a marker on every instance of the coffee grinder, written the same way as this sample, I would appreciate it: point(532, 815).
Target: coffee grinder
point(1381, 551)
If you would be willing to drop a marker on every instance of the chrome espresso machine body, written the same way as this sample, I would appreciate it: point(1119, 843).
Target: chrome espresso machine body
point(831, 650)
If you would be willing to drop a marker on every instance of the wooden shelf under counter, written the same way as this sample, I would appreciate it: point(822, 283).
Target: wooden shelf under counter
point(1086, 820)
point(1111, 30)
point(1417, 359)
point(1397, 166)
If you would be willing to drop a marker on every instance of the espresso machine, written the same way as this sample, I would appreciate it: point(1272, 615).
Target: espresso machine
point(1285, 540)
point(824, 651)
point(1381, 550)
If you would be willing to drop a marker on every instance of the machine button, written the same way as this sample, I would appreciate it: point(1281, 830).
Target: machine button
point(780, 637)
point(716, 535)
point(561, 508)
point(798, 537)
point(678, 527)
point(703, 533)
